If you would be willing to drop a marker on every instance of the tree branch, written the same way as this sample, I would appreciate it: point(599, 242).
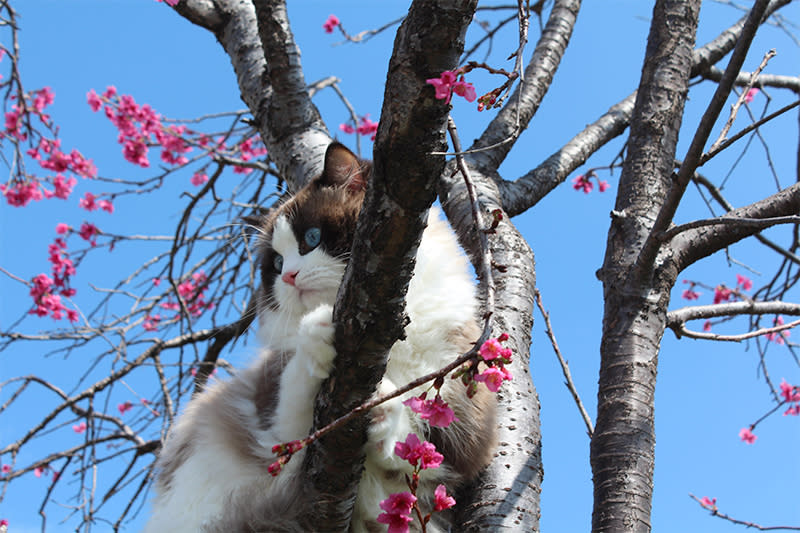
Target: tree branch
point(369, 312)
point(697, 243)
point(528, 190)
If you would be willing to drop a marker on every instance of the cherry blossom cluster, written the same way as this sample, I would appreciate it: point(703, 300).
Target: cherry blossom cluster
point(722, 293)
point(331, 23)
point(494, 357)
point(790, 395)
point(141, 127)
point(452, 82)
point(24, 123)
point(397, 508)
point(365, 126)
point(584, 183)
point(192, 292)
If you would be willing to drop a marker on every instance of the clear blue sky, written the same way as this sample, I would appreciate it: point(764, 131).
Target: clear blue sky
point(707, 391)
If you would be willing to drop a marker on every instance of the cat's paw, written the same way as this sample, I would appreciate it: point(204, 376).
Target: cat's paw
point(315, 341)
point(390, 422)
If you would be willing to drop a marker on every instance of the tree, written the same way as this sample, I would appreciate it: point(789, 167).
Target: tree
point(158, 338)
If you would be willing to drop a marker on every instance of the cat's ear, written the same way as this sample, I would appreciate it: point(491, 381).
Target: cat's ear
point(343, 168)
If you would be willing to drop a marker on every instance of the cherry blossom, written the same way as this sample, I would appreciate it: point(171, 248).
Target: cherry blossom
point(744, 282)
point(79, 428)
point(199, 178)
point(708, 503)
point(582, 183)
point(6, 469)
point(441, 500)
point(722, 294)
point(435, 411)
point(747, 435)
point(751, 93)
point(492, 349)
point(330, 23)
point(397, 513)
point(416, 452)
point(779, 336)
point(124, 407)
point(493, 377)
point(448, 83)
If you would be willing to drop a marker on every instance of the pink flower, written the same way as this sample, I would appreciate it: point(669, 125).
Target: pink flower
point(347, 128)
point(778, 337)
point(88, 202)
point(330, 23)
point(722, 294)
point(151, 322)
point(39, 470)
point(750, 95)
point(709, 504)
point(707, 325)
point(3, 522)
point(414, 451)
point(367, 127)
point(106, 205)
point(95, 103)
point(492, 349)
point(44, 97)
point(493, 377)
point(443, 85)
point(465, 90)
point(582, 183)
point(435, 411)
point(124, 407)
point(136, 153)
point(88, 231)
point(747, 436)
point(79, 428)
point(21, 194)
point(199, 178)
point(689, 294)
point(156, 282)
point(441, 500)
point(790, 393)
point(6, 469)
point(62, 188)
point(62, 228)
point(398, 510)
point(603, 186)
point(744, 282)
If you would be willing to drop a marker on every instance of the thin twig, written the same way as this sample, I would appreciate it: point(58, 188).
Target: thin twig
point(739, 101)
point(564, 365)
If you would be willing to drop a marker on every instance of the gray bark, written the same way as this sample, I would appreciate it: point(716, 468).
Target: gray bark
point(623, 444)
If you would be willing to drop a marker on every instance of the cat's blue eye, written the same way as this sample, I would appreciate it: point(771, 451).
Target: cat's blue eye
point(313, 236)
point(278, 262)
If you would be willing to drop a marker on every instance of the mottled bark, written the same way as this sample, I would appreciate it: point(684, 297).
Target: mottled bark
point(369, 312)
point(623, 445)
point(507, 496)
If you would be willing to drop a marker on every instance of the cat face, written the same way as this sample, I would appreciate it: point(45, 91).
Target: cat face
point(307, 240)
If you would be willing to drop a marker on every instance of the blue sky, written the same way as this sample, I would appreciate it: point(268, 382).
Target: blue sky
point(706, 392)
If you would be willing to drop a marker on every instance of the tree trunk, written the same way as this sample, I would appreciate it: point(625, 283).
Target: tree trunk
point(636, 296)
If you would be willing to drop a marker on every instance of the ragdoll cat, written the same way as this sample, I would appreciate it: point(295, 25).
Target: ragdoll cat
point(212, 471)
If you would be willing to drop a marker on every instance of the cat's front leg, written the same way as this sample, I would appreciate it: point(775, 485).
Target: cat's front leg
point(390, 422)
point(309, 367)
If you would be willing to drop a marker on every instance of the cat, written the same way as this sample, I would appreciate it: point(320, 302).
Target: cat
point(212, 471)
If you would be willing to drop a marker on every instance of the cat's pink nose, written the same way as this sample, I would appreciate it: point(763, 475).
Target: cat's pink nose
point(289, 277)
